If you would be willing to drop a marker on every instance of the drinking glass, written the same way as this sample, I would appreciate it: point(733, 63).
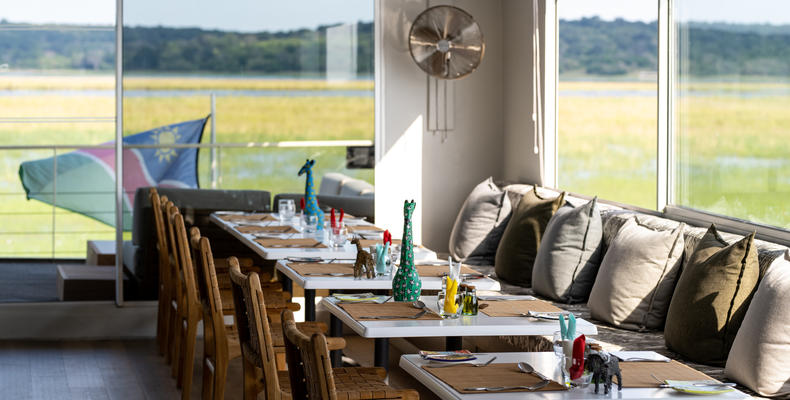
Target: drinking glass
point(442, 295)
point(311, 223)
point(287, 209)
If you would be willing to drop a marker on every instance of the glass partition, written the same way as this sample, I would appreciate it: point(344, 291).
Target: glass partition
point(731, 91)
point(57, 85)
point(267, 72)
point(607, 99)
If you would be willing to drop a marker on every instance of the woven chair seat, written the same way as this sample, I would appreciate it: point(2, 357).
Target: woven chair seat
point(367, 383)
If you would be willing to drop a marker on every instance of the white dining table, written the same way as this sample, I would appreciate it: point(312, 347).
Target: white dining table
point(345, 251)
point(452, 328)
point(545, 363)
point(384, 282)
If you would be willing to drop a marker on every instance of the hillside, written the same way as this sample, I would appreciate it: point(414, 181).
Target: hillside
point(588, 46)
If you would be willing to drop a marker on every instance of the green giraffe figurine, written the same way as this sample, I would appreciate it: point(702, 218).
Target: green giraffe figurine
point(406, 285)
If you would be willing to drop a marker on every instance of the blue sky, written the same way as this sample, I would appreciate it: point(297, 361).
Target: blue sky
point(259, 15)
point(237, 15)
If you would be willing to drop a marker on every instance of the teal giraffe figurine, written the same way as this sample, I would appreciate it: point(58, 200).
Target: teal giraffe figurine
point(406, 285)
point(311, 204)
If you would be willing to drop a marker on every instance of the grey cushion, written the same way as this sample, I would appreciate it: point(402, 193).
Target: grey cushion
point(356, 187)
point(569, 254)
point(759, 356)
point(477, 227)
point(637, 276)
point(331, 183)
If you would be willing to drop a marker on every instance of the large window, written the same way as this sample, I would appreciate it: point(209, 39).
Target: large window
point(607, 99)
point(57, 63)
point(277, 71)
point(719, 118)
point(731, 96)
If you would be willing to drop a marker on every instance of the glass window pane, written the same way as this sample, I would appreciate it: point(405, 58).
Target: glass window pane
point(57, 64)
point(732, 89)
point(279, 71)
point(607, 99)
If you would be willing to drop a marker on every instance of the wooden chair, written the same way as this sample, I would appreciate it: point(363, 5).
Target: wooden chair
point(220, 341)
point(260, 344)
point(312, 376)
point(176, 294)
point(165, 292)
point(189, 309)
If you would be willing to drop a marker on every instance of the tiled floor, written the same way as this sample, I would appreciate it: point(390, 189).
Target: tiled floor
point(129, 369)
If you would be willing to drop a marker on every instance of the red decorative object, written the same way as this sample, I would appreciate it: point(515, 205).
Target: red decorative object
point(342, 213)
point(387, 237)
point(577, 367)
point(301, 203)
point(332, 221)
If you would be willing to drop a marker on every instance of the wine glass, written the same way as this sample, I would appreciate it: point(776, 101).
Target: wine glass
point(286, 209)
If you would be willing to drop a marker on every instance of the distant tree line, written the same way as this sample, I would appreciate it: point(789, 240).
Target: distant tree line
point(588, 46)
point(596, 47)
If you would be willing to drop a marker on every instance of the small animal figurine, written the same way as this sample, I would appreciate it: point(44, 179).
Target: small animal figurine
point(311, 207)
point(364, 263)
point(604, 367)
point(406, 285)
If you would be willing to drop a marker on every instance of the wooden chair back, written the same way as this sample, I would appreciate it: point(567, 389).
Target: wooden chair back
point(306, 382)
point(255, 336)
point(163, 293)
point(186, 270)
point(214, 334)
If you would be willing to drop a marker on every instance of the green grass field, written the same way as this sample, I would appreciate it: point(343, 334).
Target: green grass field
point(732, 152)
point(26, 227)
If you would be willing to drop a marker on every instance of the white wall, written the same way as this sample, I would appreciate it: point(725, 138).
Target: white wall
point(521, 164)
point(413, 163)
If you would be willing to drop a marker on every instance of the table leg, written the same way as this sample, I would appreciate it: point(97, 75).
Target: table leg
point(288, 284)
point(336, 330)
point(452, 343)
point(381, 354)
point(309, 304)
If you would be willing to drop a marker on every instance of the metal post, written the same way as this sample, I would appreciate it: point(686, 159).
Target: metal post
point(54, 195)
point(119, 153)
point(213, 161)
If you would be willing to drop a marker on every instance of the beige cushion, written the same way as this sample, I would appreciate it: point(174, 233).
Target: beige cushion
point(760, 355)
point(637, 276)
point(480, 223)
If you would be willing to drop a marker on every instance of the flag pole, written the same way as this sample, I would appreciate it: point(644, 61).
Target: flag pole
point(119, 153)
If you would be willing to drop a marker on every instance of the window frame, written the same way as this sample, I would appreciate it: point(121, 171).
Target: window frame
point(666, 173)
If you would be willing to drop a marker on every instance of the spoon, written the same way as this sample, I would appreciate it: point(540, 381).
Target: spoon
point(327, 273)
point(453, 365)
point(528, 369)
point(418, 304)
point(415, 316)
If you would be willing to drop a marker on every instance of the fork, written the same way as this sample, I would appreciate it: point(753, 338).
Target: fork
point(453, 365)
point(415, 316)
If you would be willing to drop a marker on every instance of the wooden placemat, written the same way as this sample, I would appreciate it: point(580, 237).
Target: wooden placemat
point(514, 308)
point(266, 229)
point(322, 268)
point(636, 374)
point(359, 311)
point(368, 228)
point(440, 270)
point(463, 376)
point(372, 242)
point(247, 217)
point(290, 243)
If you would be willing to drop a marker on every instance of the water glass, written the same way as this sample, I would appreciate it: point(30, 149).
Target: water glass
point(310, 223)
point(442, 295)
point(338, 236)
point(286, 209)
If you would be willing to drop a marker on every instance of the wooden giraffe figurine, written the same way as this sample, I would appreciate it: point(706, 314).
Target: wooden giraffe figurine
point(364, 263)
point(406, 285)
point(311, 203)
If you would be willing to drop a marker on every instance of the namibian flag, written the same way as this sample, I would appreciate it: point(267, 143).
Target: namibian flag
point(85, 179)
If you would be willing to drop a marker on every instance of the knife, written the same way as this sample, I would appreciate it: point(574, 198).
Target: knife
point(501, 388)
